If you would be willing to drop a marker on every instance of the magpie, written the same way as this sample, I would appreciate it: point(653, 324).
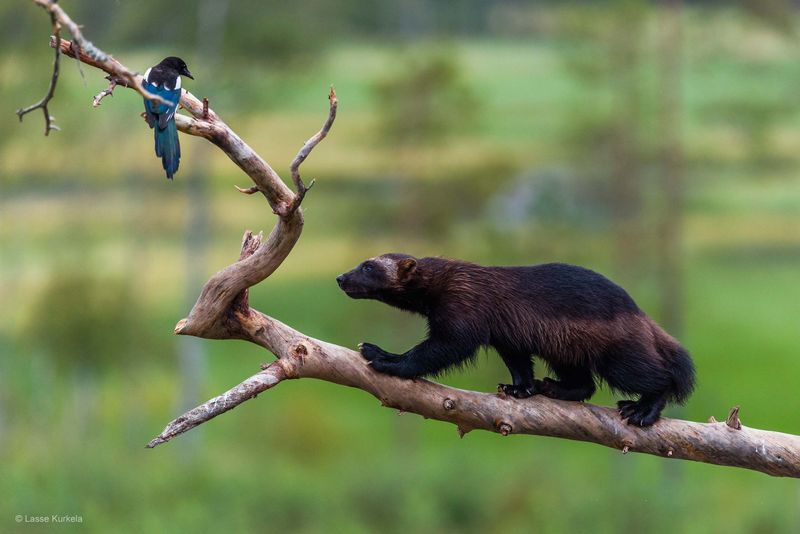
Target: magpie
point(164, 80)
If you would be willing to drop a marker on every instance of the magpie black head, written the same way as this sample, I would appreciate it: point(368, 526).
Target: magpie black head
point(176, 64)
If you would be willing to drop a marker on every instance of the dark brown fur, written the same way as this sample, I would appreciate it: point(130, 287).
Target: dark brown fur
point(580, 323)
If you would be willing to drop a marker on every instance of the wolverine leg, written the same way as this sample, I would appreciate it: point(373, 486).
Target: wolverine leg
point(574, 384)
point(645, 411)
point(521, 369)
point(635, 368)
point(430, 357)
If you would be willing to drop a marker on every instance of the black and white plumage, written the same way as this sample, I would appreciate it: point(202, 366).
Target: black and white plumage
point(164, 80)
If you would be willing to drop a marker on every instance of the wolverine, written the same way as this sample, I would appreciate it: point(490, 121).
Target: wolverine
point(586, 329)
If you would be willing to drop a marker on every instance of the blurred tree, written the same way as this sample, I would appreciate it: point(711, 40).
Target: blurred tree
point(426, 98)
point(777, 13)
point(278, 32)
point(669, 249)
point(211, 18)
point(755, 117)
point(607, 131)
point(671, 156)
point(91, 321)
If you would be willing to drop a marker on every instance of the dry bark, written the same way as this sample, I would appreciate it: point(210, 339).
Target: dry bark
point(222, 312)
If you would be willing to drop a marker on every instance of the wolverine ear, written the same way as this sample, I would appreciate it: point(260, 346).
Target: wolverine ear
point(405, 267)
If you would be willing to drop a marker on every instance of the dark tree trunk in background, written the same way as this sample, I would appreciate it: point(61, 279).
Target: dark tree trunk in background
point(211, 15)
point(671, 156)
point(669, 245)
point(626, 164)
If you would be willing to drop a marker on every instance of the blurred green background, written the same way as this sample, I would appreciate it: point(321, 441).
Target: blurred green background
point(655, 142)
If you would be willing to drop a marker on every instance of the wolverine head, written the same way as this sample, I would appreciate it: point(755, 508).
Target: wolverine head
point(378, 277)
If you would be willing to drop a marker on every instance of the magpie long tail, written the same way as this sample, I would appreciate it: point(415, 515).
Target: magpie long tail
point(168, 148)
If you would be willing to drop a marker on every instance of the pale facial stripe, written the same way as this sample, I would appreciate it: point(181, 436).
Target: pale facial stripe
point(389, 265)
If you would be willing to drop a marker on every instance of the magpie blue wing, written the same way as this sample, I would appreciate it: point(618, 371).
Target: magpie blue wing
point(156, 112)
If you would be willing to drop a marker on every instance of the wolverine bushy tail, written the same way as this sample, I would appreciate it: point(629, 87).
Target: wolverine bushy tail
point(167, 147)
point(679, 364)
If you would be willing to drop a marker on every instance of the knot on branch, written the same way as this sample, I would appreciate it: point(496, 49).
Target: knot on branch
point(505, 428)
point(449, 404)
point(626, 446)
point(298, 353)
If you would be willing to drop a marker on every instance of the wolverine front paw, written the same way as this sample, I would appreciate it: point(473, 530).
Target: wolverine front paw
point(516, 391)
point(382, 361)
point(371, 352)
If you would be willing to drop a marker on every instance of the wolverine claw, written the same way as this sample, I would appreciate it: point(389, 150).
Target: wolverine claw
point(370, 352)
point(518, 392)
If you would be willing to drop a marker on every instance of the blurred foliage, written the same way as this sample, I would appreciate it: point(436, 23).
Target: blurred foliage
point(776, 13)
point(86, 320)
point(425, 99)
point(756, 119)
point(92, 258)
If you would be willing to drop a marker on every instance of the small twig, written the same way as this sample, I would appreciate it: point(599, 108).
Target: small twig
point(108, 64)
point(108, 91)
point(249, 190)
point(306, 150)
point(205, 108)
point(733, 419)
point(86, 52)
point(51, 91)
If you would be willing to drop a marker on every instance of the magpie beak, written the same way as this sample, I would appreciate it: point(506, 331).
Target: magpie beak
point(185, 72)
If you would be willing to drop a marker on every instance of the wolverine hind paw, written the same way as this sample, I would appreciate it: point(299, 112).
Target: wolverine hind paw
point(638, 413)
point(516, 391)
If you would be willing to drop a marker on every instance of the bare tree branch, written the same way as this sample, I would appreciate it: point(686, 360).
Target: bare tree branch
point(222, 312)
point(299, 356)
point(51, 90)
point(108, 91)
point(306, 150)
point(249, 389)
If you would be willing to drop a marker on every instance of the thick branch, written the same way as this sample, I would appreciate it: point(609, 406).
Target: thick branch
point(300, 356)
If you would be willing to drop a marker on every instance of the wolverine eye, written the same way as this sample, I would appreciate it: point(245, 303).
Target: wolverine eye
point(367, 268)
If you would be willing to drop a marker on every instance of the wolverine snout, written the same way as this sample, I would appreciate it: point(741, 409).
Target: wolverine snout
point(340, 280)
